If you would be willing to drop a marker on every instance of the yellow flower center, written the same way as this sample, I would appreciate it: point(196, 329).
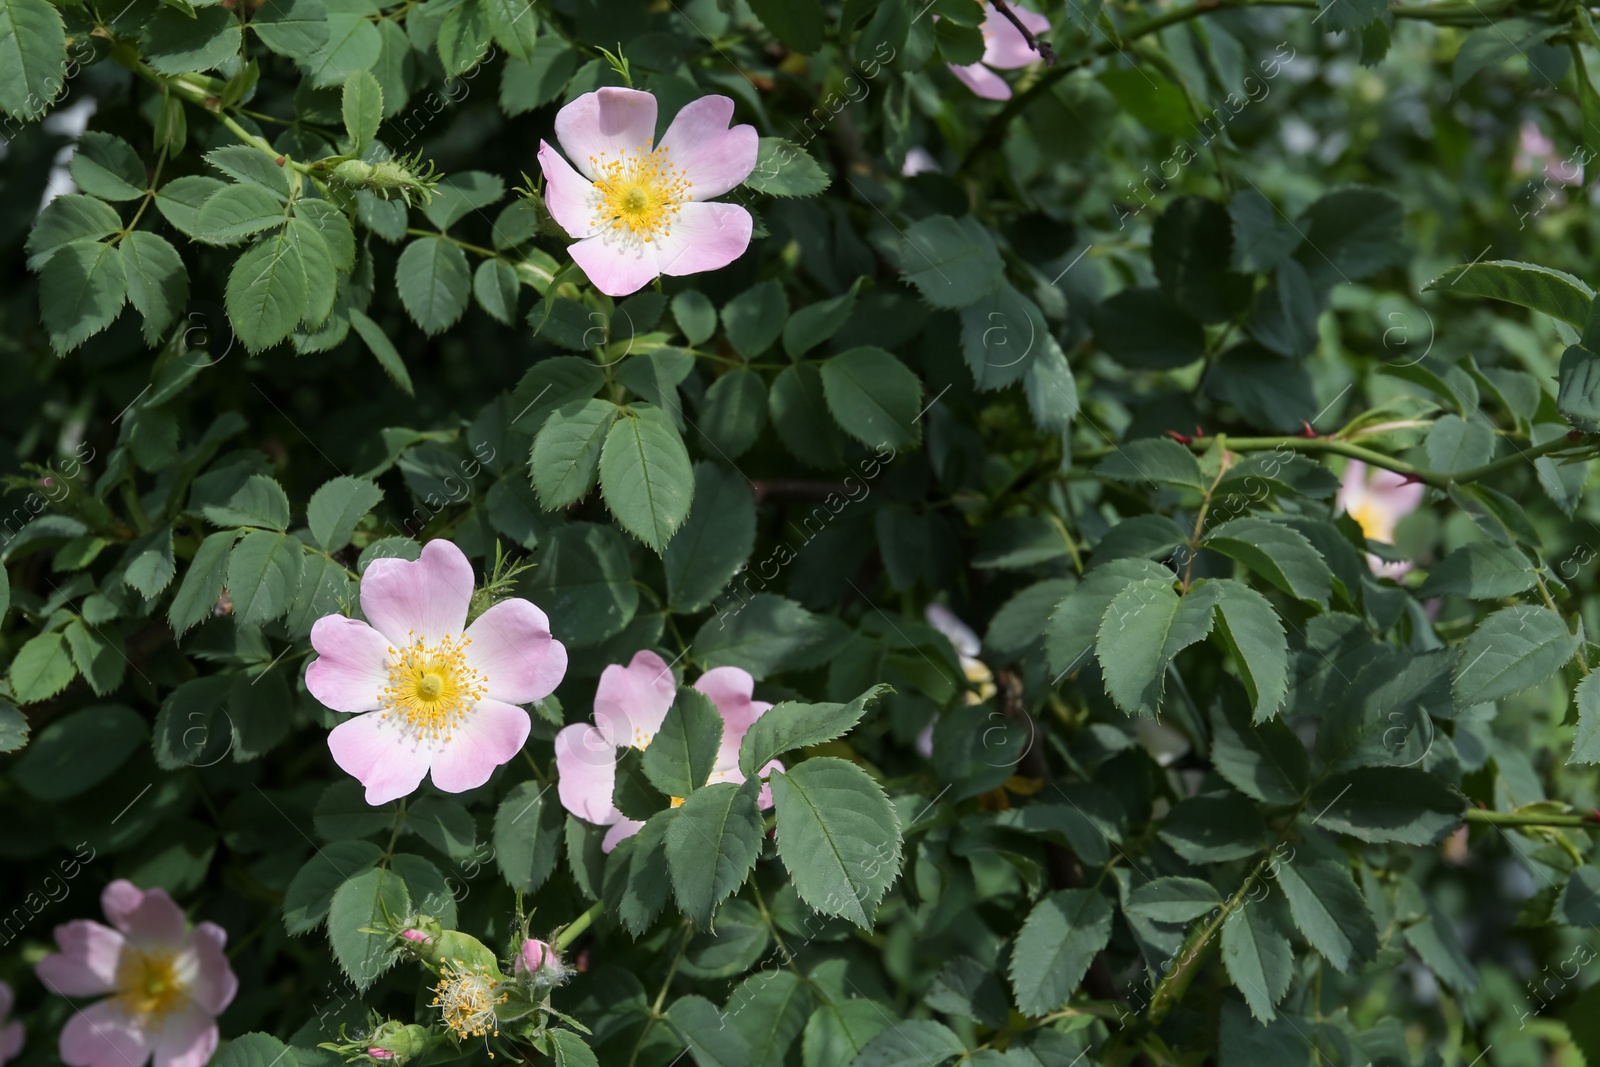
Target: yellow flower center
point(677, 802)
point(147, 983)
point(467, 999)
point(431, 688)
point(639, 192)
point(1374, 522)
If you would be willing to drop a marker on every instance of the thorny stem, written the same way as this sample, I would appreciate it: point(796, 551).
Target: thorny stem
point(1205, 506)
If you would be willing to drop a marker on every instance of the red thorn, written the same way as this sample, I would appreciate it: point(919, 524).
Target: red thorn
point(280, 160)
point(1181, 438)
point(1198, 432)
point(1575, 435)
point(1593, 816)
point(1308, 432)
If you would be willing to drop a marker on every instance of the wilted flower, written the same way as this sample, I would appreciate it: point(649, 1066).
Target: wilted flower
point(10, 1033)
point(1377, 504)
point(467, 996)
point(167, 983)
point(1004, 48)
point(638, 209)
point(427, 691)
point(629, 706)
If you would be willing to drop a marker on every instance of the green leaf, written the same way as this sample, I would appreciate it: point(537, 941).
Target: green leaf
point(264, 576)
point(1586, 745)
point(636, 877)
point(567, 1049)
point(462, 193)
point(445, 825)
point(645, 475)
point(1145, 626)
point(191, 727)
point(353, 43)
point(1482, 570)
point(1173, 900)
point(1254, 635)
point(815, 323)
point(762, 635)
point(1150, 98)
point(266, 294)
point(681, 757)
point(1580, 898)
point(42, 668)
point(1055, 946)
point(434, 282)
point(79, 750)
point(379, 345)
point(1154, 460)
point(337, 506)
point(149, 567)
point(874, 397)
point(1266, 762)
point(735, 412)
point(367, 900)
point(713, 845)
point(797, 23)
point(527, 836)
point(99, 656)
point(1257, 954)
point(953, 262)
point(704, 1029)
point(1511, 651)
point(256, 1050)
point(1074, 625)
point(158, 284)
point(177, 43)
point(754, 319)
point(1279, 553)
point(696, 316)
point(1191, 248)
point(463, 36)
point(912, 1043)
point(333, 226)
point(495, 285)
point(769, 1010)
point(310, 892)
point(107, 166)
point(293, 28)
point(81, 292)
point(252, 167)
point(1578, 392)
point(260, 501)
point(1456, 444)
point(362, 108)
point(715, 540)
point(70, 218)
point(783, 168)
point(1488, 45)
point(1330, 910)
point(999, 334)
point(1355, 232)
point(515, 26)
point(1553, 292)
point(586, 584)
point(342, 812)
point(1215, 828)
point(566, 453)
point(838, 836)
point(1143, 329)
point(13, 727)
point(33, 57)
point(1402, 804)
point(202, 582)
point(838, 1032)
point(790, 725)
point(800, 416)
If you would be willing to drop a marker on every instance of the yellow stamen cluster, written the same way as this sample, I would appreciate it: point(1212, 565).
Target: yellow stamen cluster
point(431, 688)
point(1374, 521)
point(639, 191)
point(147, 983)
point(466, 996)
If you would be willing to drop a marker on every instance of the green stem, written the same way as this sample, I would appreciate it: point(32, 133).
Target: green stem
point(1197, 948)
point(574, 929)
point(1517, 818)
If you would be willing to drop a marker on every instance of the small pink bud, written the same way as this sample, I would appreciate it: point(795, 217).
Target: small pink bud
point(416, 935)
point(381, 1053)
point(533, 956)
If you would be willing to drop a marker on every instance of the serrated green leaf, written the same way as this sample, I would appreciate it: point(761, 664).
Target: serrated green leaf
point(953, 262)
point(645, 475)
point(1512, 650)
point(874, 397)
point(838, 836)
point(367, 900)
point(337, 506)
point(1055, 946)
point(713, 845)
point(81, 292)
point(310, 892)
point(266, 294)
point(434, 282)
point(33, 57)
point(566, 454)
point(1277, 552)
point(264, 571)
point(1145, 625)
point(791, 725)
point(362, 109)
point(680, 759)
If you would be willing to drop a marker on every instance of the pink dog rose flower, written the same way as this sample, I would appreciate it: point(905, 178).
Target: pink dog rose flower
point(1004, 48)
point(629, 706)
point(425, 691)
point(10, 1033)
point(168, 983)
point(638, 209)
point(1378, 504)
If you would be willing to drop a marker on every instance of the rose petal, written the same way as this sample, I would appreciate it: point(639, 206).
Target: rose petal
point(157, 922)
point(982, 81)
point(491, 734)
point(381, 757)
point(624, 829)
point(352, 665)
point(713, 157)
point(186, 1039)
point(10, 1041)
point(425, 600)
point(617, 265)
point(214, 984)
point(604, 123)
point(6, 1000)
point(1005, 48)
point(586, 762)
point(120, 899)
point(102, 1035)
point(86, 966)
point(512, 647)
point(730, 688)
point(568, 194)
point(703, 237)
point(959, 634)
point(630, 702)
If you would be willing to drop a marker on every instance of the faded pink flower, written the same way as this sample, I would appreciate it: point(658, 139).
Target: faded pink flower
point(638, 209)
point(1378, 504)
point(168, 983)
point(1004, 48)
point(630, 704)
point(10, 1033)
point(427, 692)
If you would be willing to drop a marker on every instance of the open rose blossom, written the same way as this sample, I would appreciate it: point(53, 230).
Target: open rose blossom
point(639, 209)
point(168, 983)
point(629, 706)
point(10, 1033)
point(1378, 504)
point(1004, 48)
point(426, 691)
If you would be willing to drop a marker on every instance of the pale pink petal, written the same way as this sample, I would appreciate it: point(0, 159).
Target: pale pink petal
point(631, 701)
point(704, 237)
point(617, 265)
point(586, 762)
point(605, 123)
point(425, 599)
point(568, 194)
point(765, 799)
point(1397, 495)
point(119, 900)
point(625, 828)
point(102, 1035)
point(714, 157)
point(6, 1000)
point(157, 921)
point(489, 735)
point(918, 161)
point(1352, 487)
point(959, 634)
point(10, 1042)
point(1005, 48)
point(381, 757)
point(352, 664)
point(86, 966)
point(186, 1039)
point(730, 689)
point(511, 646)
point(982, 81)
point(214, 984)
point(924, 742)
